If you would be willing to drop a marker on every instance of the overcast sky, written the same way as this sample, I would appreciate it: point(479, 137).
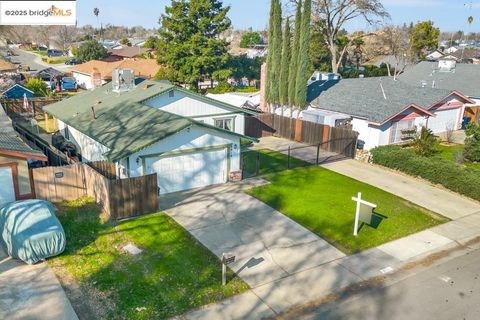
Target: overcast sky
point(449, 15)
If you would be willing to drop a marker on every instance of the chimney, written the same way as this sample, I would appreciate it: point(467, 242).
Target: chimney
point(263, 88)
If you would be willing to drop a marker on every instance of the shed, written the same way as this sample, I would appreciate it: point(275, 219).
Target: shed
point(17, 91)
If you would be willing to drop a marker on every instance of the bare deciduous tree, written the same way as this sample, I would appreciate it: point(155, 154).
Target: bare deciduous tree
point(331, 15)
point(398, 46)
point(66, 36)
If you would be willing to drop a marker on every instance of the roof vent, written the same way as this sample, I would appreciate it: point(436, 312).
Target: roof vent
point(122, 80)
point(423, 83)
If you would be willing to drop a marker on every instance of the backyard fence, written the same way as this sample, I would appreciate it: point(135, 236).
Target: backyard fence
point(120, 198)
point(107, 169)
point(15, 107)
point(339, 140)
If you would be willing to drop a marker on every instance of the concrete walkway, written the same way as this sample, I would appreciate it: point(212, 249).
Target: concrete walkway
point(422, 193)
point(31, 292)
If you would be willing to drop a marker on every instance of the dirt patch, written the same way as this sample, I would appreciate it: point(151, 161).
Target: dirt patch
point(86, 300)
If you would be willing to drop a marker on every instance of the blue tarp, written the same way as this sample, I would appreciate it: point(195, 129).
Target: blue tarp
point(30, 230)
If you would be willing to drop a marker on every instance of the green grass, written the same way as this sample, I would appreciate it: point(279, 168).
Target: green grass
point(450, 152)
point(320, 200)
point(172, 275)
point(269, 161)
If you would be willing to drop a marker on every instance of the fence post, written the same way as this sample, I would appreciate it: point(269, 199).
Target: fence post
point(288, 159)
point(318, 153)
point(257, 164)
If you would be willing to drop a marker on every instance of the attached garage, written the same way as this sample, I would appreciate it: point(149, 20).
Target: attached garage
point(189, 169)
point(444, 120)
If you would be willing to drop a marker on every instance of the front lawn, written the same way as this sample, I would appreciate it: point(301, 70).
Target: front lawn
point(452, 152)
point(268, 162)
point(320, 200)
point(173, 273)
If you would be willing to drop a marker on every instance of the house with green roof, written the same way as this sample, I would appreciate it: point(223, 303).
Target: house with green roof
point(187, 139)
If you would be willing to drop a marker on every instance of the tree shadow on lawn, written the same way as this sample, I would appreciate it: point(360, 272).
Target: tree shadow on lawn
point(173, 274)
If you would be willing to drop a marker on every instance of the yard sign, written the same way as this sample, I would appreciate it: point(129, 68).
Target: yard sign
point(363, 213)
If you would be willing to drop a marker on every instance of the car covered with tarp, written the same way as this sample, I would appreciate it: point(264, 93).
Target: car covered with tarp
point(30, 231)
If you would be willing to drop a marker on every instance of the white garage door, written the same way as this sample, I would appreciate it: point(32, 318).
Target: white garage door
point(443, 120)
point(187, 171)
point(7, 193)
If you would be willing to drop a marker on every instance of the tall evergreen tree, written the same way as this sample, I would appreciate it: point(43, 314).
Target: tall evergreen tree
point(190, 42)
point(276, 49)
point(292, 73)
point(271, 35)
point(303, 58)
point(285, 64)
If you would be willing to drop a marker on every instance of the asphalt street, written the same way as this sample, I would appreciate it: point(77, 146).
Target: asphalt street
point(450, 290)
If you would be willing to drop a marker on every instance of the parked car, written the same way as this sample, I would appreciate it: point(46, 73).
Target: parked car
point(30, 231)
point(69, 84)
point(54, 53)
point(72, 62)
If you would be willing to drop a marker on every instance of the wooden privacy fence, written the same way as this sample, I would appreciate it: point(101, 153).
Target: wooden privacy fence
point(339, 140)
point(14, 107)
point(107, 169)
point(120, 198)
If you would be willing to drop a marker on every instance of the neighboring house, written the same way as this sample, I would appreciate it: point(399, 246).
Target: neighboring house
point(249, 101)
point(451, 49)
point(466, 55)
point(48, 74)
point(17, 91)
point(14, 157)
point(451, 76)
point(101, 71)
point(434, 55)
point(125, 53)
point(384, 111)
point(189, 140)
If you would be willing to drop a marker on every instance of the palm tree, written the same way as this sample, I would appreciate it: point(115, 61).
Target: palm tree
point(96, 12)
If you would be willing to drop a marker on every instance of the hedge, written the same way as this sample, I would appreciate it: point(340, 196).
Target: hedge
point(441, 171)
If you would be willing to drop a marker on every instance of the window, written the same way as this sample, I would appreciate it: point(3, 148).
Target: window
point(226, 123)
point(398, 131)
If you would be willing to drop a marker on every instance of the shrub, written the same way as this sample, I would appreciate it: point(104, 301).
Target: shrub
point(222, 87)
point(91, 50)
point(472, 142)
point(425, 144)
point(38, 86)
point(452, 176)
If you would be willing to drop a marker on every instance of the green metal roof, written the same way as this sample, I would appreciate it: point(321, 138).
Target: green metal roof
point(122, 123)
point(11, 142)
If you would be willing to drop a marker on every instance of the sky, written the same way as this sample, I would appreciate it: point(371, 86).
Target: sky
point(448, 15)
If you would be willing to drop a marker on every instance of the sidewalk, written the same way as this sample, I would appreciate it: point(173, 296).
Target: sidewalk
point(31, 292)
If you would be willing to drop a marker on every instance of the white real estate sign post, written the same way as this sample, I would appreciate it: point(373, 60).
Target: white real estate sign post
point(363, 212)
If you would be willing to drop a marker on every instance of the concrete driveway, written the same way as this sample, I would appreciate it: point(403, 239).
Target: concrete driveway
point(31, 292)
point(268, 245)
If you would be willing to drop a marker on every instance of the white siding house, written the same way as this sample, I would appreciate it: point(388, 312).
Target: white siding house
point(156, 128)
point(200, 108)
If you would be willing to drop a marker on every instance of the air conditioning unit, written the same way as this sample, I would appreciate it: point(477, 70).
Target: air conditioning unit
point(123, 80)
